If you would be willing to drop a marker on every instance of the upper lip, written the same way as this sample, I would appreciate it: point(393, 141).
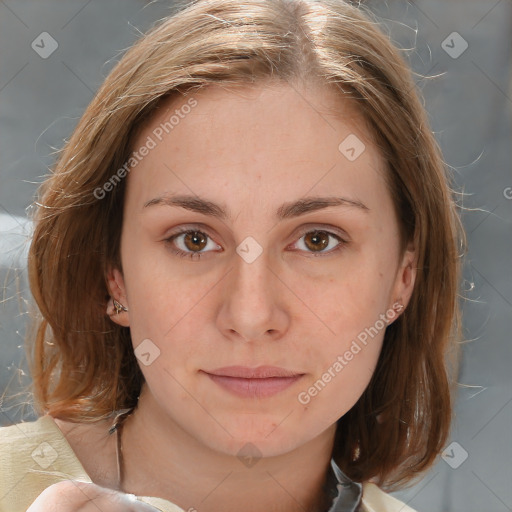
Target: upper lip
point(260, 372)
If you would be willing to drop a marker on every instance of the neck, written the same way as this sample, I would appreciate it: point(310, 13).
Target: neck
point(160, 459)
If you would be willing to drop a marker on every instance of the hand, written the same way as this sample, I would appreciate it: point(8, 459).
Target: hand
point(73, 496)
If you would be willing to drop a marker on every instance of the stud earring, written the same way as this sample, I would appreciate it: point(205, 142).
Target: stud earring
point(119, 307)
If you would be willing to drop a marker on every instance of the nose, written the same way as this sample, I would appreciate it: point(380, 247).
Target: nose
point(253, 303)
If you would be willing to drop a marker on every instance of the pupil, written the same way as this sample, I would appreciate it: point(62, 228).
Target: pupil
point(319, 241)
point(196, 239)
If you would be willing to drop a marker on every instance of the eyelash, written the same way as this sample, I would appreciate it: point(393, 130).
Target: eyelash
point(197, 255)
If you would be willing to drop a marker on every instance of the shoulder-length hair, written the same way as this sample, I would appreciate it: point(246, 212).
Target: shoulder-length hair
point(83, 365)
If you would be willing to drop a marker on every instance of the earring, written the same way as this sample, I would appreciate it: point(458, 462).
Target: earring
point(118, 307)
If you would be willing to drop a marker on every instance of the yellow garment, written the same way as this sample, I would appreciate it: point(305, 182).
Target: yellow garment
point(35, 455)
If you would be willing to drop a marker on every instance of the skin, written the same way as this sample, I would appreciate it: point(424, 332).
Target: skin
point(251, 151)
point(69, 495)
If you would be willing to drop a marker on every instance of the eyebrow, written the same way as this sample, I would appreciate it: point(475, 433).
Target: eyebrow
point(285, 211)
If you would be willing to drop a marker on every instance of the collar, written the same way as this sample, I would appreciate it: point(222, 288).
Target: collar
point(345, 493)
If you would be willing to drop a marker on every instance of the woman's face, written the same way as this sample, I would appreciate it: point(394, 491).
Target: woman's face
point(253, 285)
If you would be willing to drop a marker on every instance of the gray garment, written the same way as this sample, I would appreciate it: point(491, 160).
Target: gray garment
point(346, 494)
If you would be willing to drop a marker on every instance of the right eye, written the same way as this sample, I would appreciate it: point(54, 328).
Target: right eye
point(186, 240)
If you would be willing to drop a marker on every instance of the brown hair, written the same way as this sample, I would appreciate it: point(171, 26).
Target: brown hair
point(83, 366)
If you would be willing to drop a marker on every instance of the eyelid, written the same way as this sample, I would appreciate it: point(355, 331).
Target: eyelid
point(331, 230)
point(187, 228)
point(306, 228)
point(324, 227)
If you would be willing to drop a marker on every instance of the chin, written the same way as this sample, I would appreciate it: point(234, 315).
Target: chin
point(256, 446)
point(255, 436)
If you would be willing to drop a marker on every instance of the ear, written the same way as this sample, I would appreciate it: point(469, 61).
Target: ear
point(117, 290)
point(405, 279)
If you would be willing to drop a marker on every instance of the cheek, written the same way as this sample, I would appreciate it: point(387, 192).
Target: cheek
point(341, 364)
point(337, 388)
point(349, 324)
point(156, 289)
point(351, 301)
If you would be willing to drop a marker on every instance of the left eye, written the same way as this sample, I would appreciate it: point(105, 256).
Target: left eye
point(193, 238)
point(315, 241)
point(318, 240)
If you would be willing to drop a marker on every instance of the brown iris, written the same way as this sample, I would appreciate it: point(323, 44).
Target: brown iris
point(196, 238)
point(317, 240)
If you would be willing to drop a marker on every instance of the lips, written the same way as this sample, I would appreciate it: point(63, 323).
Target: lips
point(261, 372)
point(260, 382)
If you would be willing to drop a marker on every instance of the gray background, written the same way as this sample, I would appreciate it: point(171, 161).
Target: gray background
point(469, 102)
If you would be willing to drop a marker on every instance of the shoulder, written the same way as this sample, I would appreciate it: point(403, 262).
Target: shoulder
point(33, 456)
point(19, 442)
point(376, 500)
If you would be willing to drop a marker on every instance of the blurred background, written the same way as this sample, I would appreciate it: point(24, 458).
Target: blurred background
point(55, 54)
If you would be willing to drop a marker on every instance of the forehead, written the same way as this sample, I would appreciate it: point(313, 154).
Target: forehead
point(250, 109)
point(256, 140)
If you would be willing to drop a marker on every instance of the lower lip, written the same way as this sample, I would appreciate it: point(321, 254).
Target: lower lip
point(254, 388)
